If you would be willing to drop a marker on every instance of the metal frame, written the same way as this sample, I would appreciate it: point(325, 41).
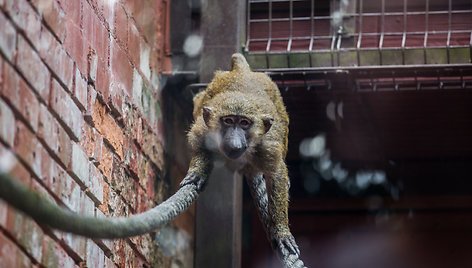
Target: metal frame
point(358, 47)
point(375, 78)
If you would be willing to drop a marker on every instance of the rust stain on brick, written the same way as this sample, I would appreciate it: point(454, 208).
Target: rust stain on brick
point(106, 162)
point(110, 130)
point(104, 206)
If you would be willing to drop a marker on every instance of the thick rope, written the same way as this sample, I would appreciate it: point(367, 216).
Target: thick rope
point(258, 190)
point(46, 212)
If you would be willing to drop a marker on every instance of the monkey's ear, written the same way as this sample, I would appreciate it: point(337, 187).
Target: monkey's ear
point(239, 63)
point(268, 121)
point(206, 114)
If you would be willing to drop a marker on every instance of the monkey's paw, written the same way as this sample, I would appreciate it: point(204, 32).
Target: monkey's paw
point(288, 251)
point(286, 245)
point(194, 178)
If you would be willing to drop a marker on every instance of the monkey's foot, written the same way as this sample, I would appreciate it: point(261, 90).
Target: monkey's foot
point(288, 251)
point(293, 261)
point(286, 245)
point(194, 178)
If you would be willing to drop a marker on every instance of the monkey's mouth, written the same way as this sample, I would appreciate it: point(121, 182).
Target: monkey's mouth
point(233, 153)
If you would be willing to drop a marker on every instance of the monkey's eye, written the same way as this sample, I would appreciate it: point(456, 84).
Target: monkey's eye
point(245, 123)
point(228, 121)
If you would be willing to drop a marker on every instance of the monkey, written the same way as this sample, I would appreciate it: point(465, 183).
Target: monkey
point(241, 116)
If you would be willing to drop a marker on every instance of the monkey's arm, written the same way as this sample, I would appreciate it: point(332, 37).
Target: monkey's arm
point(46, 212)
point(257, 186)
point(199, 170)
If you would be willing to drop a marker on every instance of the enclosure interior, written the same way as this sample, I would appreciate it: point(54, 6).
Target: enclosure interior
point(381, 119)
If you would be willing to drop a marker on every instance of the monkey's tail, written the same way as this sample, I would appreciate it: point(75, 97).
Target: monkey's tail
point(46, 212)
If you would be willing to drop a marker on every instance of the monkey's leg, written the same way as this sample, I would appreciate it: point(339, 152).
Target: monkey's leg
point(199, 170)
point(257, 186)
point(277, 184)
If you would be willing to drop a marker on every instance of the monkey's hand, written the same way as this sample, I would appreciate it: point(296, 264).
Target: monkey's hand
point(194, 178)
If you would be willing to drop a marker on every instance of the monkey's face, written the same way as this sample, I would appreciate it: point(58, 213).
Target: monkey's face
point(234, 135)
point(234, 124)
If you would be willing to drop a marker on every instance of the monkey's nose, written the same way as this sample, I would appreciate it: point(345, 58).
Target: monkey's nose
point(234, 151)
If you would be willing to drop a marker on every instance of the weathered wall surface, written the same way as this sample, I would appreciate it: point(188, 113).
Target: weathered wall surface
point(80, 120)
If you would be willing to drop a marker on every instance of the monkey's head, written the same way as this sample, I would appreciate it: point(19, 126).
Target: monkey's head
point(236, 122)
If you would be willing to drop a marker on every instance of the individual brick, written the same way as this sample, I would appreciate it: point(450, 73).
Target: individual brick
point(150, 106)
point(115, 100)
point(95, 185)
point(21, 97)
point(30, 237)
point(106, 162)
point(87, 206)
point(91, 142)
point(120, 25)
point(7, 120)
point(122, 183)
point(56, 57)
point(95, 256)
point(109, 262)
point(12, 256)
point(76, 45)
point(91, 98)
point(23, 14)
point(46, 164)
point(55, 136)
point(66, 109)
point(28, 105)
point(104, 78)
point(137, 89)
point(108, 127)
point(79, 165)
point(95, 32)
point(134, 41)
point(3, 213)
point(28, 148)
point(143, 244)
point(53, 15)
point(92, 66)
point(33, 69)
point(70, 193)
point(152, 147)
point(121, 69)
point(75, 242)
point(56, 180)
point(73, 10)
point(144, 56)
point(7, 38)
point(120, 208)
point(80, 90)
point(54, 255)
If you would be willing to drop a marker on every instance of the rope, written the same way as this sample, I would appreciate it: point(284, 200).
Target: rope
point(46, 212)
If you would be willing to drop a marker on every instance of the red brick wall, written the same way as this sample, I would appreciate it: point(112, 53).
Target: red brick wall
point(80, 116)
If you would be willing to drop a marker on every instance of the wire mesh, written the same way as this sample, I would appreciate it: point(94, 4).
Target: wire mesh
point(360, 32)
